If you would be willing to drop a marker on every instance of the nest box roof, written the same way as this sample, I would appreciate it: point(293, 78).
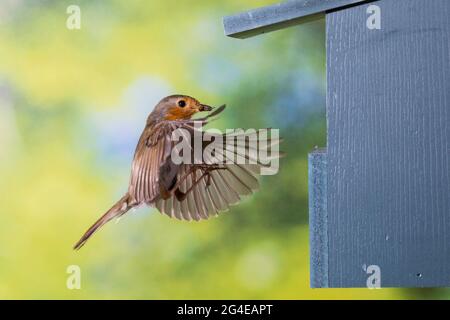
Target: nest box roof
point(281, 15)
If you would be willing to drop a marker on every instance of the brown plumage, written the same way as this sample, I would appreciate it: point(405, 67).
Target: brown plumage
point(183, 191)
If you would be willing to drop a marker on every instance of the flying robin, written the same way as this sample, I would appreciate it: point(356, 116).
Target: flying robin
point(186, 191)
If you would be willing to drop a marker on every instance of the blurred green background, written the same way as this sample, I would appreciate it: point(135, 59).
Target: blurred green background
point(72, 105)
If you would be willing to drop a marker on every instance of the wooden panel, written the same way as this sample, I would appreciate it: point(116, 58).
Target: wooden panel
point(280, 15)
point(318, 231)
point(388, 110)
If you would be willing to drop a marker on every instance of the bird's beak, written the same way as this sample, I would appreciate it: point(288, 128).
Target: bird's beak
point(204, 107)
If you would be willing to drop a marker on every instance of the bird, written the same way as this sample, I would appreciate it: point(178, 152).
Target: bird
point(187, 191)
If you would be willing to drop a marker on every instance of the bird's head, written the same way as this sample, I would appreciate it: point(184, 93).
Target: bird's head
point(179, 107)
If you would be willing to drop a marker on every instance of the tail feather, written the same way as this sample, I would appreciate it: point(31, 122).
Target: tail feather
point(120, 208)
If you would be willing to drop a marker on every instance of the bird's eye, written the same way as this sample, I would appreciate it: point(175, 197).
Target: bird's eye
point(182, 103)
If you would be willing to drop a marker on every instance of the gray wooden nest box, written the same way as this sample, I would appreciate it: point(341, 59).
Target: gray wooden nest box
point(380, 191)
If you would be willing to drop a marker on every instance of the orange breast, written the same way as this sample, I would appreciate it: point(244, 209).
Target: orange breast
point(176, 113)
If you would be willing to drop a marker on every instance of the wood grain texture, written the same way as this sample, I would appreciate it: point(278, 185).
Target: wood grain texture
point(279, 16)
point(318, 231)
point(388, 113)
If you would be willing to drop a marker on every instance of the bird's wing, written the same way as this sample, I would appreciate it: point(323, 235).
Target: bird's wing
point(224, 187)
point(153, 149)
point(209, 196)
point(152, 172)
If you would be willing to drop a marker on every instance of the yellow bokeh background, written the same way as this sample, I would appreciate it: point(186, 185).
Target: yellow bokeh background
point(72, 104)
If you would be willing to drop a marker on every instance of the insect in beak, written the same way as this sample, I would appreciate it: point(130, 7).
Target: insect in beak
point(204, 107)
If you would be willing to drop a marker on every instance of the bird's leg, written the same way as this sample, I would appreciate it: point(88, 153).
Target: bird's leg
point(175, 190)
point(208, 180)
point(182, 195)
point(206, 169)
point(180, 181)
point(193, 169)
point(209, 169)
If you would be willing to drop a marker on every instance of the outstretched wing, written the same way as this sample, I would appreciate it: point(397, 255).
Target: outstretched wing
point(152, 173)
point(152, 150)
point(208, 194)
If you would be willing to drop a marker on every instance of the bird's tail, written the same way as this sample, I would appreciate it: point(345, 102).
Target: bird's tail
point(117, 210)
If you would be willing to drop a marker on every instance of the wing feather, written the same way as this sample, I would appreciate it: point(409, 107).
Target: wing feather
point(144, 187)
point(225, 186)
